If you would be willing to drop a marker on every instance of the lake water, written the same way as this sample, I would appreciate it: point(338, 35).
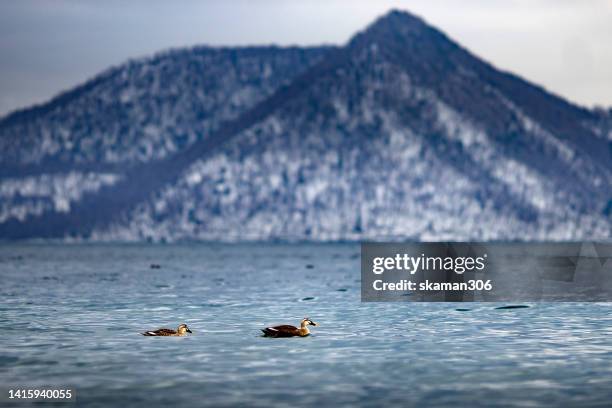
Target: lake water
point(70, 315)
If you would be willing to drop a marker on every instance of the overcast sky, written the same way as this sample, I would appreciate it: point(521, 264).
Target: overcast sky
point(49, 46)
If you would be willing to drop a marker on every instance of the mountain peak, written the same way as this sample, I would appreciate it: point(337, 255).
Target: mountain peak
point(401, 32)
point(397, 16)
point(396, 22)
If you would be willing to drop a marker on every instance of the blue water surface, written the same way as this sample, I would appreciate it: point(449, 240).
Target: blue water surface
point(70, 315)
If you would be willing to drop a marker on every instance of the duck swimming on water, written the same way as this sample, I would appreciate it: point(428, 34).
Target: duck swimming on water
point(286, 330)
point(180, 331)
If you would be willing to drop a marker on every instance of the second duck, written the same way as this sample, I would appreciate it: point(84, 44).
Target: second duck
point(287, 330)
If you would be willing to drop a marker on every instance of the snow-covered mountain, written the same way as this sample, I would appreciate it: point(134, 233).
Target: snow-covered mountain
point(138, 113)
point(399, 134)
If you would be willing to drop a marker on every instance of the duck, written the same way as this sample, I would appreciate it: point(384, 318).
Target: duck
point(287, 330)
point(181, 330)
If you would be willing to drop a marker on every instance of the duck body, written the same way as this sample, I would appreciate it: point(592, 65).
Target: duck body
point(182, 330)
point(287, 330)
point(284, 330)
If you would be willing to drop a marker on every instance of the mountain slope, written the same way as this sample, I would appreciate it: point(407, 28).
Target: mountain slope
point(59, 159)
point(399, 134)
point(148, 109)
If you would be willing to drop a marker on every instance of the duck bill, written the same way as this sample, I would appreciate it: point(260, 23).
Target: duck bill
point(189, 331)
point(314, 324)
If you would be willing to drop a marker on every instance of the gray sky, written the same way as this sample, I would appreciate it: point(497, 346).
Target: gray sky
point(49, 46)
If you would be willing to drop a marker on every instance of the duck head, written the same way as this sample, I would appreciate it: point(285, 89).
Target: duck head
point(182, 329)
point(307, 321)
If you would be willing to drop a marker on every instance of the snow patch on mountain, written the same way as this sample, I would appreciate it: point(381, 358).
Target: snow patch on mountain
point(33, 195)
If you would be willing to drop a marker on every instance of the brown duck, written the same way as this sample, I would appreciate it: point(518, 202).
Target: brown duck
point(180, 331)
point(286, 330)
